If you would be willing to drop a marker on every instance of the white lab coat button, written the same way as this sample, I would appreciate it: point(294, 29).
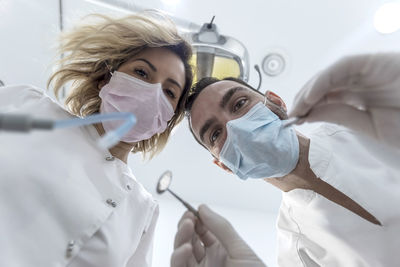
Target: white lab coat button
point(111, 202)
point(109, 158)
point(70, 248)
point(355, 79)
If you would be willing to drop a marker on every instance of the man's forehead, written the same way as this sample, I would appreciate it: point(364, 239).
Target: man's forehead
point(213, 93)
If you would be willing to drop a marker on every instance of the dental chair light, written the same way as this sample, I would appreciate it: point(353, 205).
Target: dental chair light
point(218, 55)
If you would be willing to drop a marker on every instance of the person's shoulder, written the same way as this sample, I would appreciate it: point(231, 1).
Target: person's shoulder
point(329, 129)
point(22, 88)
point(335, 135)
point(21, 92)
point(29, 98)
point(15, 98)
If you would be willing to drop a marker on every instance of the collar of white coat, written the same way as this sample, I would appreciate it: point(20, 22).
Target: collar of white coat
point(319, 157)
point(320, 152)
point(94, 136)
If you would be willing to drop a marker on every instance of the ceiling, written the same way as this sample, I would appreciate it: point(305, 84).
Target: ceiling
point(310, 34)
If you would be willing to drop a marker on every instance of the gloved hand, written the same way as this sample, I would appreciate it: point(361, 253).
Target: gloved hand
point(211, 242)
point(361, 92)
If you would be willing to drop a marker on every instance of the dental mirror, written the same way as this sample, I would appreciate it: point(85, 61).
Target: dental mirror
point(163, 185)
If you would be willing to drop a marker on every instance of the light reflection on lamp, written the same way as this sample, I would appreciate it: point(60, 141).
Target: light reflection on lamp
point(387, 18)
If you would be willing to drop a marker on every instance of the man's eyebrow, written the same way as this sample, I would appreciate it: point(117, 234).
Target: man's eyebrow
point(228, 95)
point(206, 126)
point(148, 63)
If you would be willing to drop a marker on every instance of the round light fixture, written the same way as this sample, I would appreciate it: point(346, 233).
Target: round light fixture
point(273, 64)
point(387, 18)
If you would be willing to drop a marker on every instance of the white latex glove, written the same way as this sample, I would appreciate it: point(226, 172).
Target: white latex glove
point(361, 92)
point(211, 242)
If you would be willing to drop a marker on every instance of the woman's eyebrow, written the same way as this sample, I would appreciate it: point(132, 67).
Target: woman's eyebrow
point(155, 69)
point(148, 63)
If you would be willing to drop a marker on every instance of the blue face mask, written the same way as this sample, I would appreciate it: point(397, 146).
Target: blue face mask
point(257, 145)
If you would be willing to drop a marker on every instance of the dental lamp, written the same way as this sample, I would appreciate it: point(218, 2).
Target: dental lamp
point(218, 55)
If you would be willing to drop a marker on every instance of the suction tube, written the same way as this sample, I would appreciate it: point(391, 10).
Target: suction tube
point(110, 138)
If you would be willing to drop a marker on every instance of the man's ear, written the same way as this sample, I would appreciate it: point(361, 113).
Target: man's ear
point(221, 165)
point(274, 98)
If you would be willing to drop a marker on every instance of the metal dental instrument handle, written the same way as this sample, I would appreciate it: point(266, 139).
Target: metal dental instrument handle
point(163, 185)
point(187, 205)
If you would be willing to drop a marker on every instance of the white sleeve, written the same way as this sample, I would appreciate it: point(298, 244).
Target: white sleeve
point(14, 96)
point(144, 252)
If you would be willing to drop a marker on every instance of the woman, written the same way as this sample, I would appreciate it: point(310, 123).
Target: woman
point(70, 202)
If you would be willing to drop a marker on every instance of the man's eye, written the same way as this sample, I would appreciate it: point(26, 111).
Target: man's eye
point(141, 73)
point(214, 136)
point(169, 93)
point(239, 104)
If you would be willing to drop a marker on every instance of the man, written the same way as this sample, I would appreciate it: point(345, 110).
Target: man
point(341, 189)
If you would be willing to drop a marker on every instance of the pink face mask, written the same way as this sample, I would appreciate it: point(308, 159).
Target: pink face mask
point(125, 93)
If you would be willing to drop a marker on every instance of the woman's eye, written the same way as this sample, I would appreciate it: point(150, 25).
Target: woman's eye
point(141, 73)
point(169, 93)
point(214, 136)
point(239, 104)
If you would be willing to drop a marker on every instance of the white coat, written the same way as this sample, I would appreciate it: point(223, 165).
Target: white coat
point(62, 200)
point(313, 231)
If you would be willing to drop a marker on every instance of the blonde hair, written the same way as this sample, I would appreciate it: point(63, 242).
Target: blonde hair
point(88, 50)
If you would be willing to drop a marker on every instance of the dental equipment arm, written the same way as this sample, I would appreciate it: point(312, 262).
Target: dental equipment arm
point(210, 242)
point(26, 123)
point(361, 92)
